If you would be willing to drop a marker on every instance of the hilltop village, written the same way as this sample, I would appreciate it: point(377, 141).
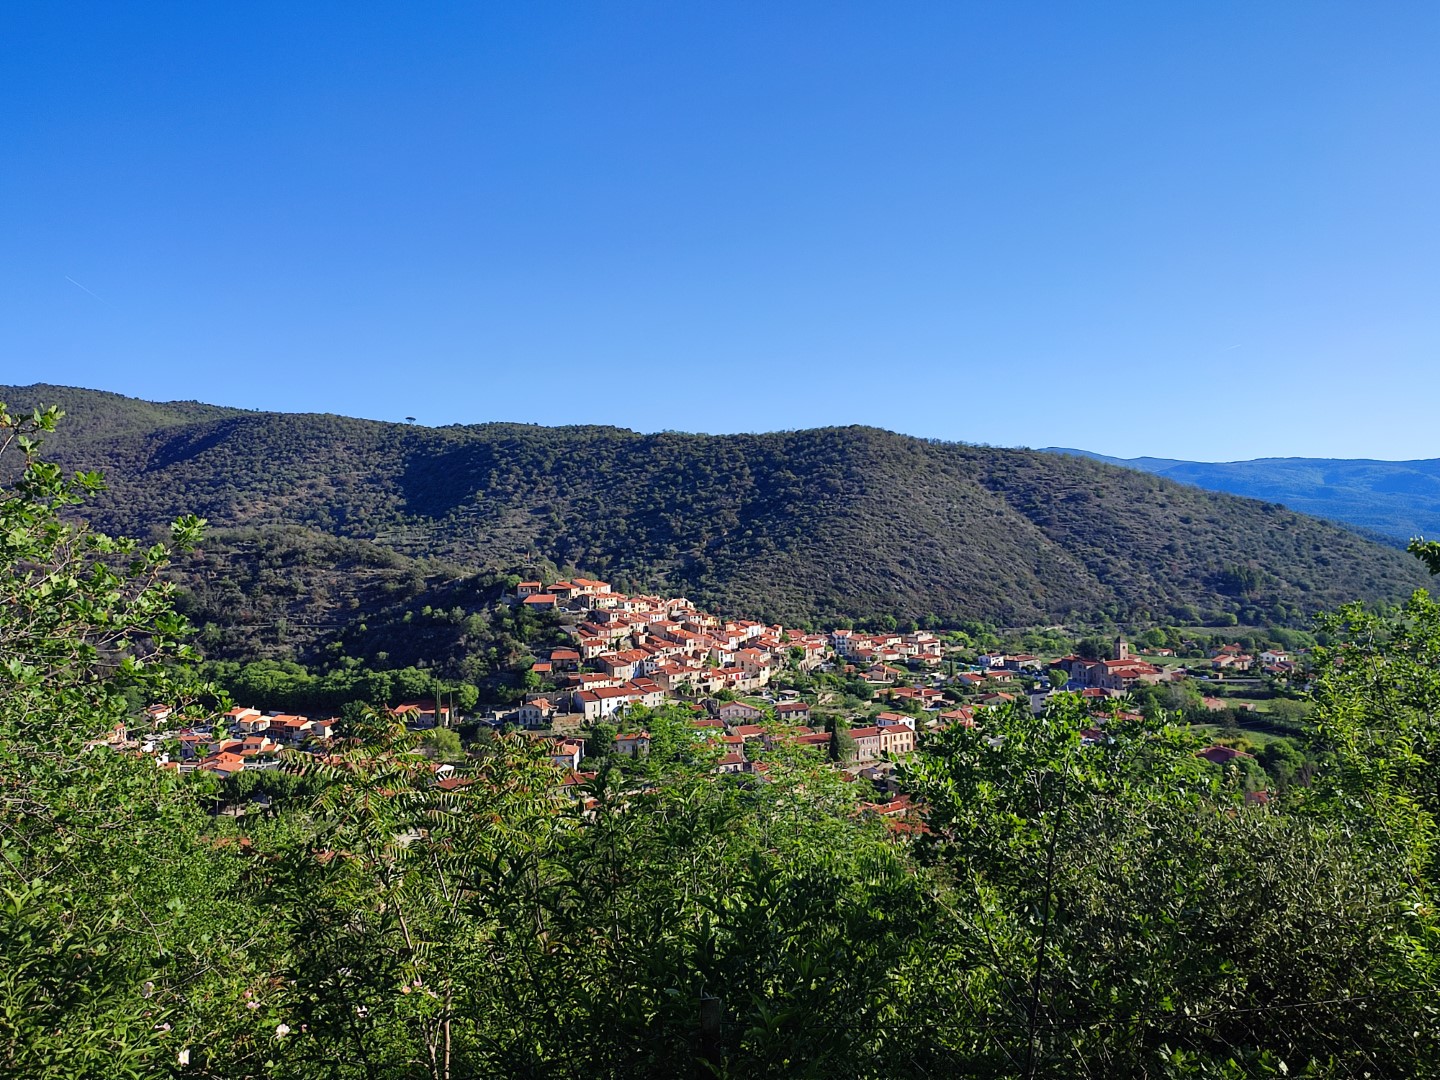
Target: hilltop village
point(626, 656)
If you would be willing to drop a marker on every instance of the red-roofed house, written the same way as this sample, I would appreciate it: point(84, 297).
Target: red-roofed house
point(224, 763)
point(897, 739)
point(867, 742)
point(890, 719)
point(1221, 755)
point(739, 710)
point(567, 754)
point(635, 745)
point(290, 730)
point(421, 715)
point(565, 659)
point(604, 701)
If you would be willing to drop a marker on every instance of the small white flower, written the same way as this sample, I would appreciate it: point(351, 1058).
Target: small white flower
point(281, 1030)
point(183, 1057)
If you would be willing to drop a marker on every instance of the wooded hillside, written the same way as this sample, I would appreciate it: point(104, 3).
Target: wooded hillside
point(801, 526)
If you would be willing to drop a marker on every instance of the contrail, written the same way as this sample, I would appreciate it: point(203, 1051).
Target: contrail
point(79, 286)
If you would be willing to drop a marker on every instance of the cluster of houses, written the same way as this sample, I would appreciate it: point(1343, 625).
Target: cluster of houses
point(648, 650)
point(874, 656)
point(644, 650)
point(1119, 672)
point(1271, 661)
point(651, 651)
point(736, 730)
point(246, 738)
point(625, 651)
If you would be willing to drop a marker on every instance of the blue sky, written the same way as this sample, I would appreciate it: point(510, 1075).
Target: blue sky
point(1201, 230)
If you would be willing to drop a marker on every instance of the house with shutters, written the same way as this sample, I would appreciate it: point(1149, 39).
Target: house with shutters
point(636, 744)
point(867, 743)
point(538, 711)
point(738, 712)
point(604, 702)
point(795, 712)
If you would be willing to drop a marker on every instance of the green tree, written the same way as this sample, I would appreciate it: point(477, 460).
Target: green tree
point(390, 964)
point(1182, 697)
point(115, 922)
point(600, 743)
point(463, 696)
point(842, 744)
point(1427, 552)
point(1376, 715)
point(1119, 885)
point(411, 684)
point(443, 743)
point(1283, 761)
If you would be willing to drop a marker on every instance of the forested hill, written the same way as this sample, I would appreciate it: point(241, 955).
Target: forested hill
point(98, 415)
point(799, 526)
point(1397, 499)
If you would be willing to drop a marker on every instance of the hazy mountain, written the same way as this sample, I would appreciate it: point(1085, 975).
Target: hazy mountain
point(1397, 499)
point(822, 524)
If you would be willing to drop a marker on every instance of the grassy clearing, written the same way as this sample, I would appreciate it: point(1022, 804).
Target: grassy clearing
point(1258, 739)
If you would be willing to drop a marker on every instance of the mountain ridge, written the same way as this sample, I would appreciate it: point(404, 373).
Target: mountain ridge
point(825, 524)
point(1394, 499)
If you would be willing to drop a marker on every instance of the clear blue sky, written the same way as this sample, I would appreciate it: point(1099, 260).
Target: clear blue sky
point(1203, 230)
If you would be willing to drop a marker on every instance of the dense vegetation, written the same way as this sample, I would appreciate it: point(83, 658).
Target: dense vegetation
point(1068, 907)
point(1394, 499)
point(803, 527)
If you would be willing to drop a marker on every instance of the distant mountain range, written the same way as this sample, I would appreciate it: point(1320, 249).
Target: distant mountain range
point(802, 526)
point(1396, 499)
